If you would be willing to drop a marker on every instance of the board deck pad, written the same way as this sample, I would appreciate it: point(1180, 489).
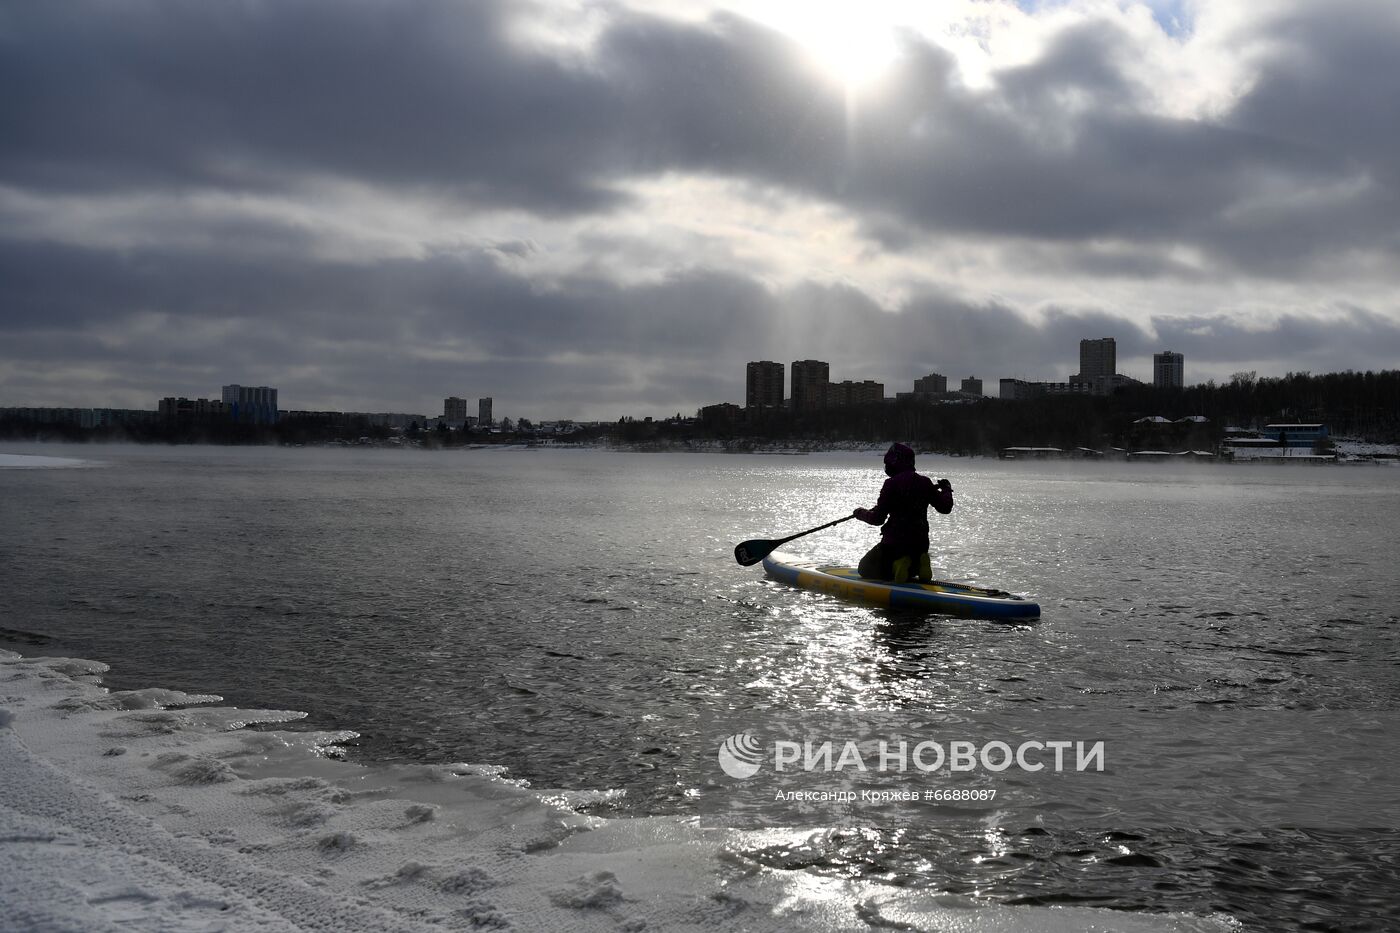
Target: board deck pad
point(932, 586)
point(941, 596)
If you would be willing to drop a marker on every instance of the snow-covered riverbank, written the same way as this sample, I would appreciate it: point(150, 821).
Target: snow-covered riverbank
point(153, 809)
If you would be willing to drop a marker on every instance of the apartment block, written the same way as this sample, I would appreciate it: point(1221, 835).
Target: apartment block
point(251, 404)
point(932, 384)
point(454, 411)
point(809, 381)
point(763, 385)
point(1168, 370)
point(841, 394)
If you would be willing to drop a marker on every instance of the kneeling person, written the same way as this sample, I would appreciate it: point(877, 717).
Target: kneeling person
point(902, 513)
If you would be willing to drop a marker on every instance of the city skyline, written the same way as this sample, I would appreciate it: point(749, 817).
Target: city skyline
point(1096, 376)
point(592, 211)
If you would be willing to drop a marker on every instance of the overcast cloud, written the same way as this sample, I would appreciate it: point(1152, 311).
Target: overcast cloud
point(595, 210)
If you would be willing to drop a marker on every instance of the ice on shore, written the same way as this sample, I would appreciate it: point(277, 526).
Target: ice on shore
point(153, 809)
point(35, 461)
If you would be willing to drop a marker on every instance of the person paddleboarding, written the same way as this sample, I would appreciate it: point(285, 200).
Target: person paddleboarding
point(902, 514)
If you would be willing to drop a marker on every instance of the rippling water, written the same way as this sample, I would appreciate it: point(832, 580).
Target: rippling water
point(569, 614)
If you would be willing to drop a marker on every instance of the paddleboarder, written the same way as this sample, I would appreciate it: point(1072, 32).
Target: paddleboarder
point(902, 514)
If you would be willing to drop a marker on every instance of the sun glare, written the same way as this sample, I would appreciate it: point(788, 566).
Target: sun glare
point(853, 42)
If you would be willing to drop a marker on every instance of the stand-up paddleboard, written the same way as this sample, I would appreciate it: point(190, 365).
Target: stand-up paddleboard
point(958, 599)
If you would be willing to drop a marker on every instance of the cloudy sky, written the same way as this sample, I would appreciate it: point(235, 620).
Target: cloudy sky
point(596, 209)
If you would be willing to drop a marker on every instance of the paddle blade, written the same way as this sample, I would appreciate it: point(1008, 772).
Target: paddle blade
point(748, 553)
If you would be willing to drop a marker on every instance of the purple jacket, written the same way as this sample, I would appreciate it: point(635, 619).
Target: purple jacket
point(902, 510)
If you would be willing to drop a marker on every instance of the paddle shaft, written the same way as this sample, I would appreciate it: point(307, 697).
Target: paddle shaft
point(751, 552)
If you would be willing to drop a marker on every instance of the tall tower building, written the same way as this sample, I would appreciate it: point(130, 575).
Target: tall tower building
point(1168, 370)
point(809, 381)
point(1098, 359)
point(972, 386)
point(1098, 364)
point(763, 386)
point(454, 410)
point(483, 412)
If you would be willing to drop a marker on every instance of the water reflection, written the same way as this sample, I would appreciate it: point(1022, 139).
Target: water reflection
point(574, 635)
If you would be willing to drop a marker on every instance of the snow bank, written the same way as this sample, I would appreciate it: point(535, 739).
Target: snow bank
point(34, 461)
point(153, 809)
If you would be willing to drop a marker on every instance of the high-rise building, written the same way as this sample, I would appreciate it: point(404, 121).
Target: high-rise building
point(809, 382)
point(1168, 370)
point(932, 384)
point(1098, 365)
point(972, 386)
point(1098, 359)
point(251, 404)
point(764, 385)
point(483, 413)
point(454, 411)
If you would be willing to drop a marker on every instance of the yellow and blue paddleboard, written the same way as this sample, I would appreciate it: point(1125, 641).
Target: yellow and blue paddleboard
point(957, 599)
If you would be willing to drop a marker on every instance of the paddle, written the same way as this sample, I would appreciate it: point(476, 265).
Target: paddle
point(751, 552)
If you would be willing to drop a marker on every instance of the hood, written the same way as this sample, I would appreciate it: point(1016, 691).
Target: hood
point(898, 459)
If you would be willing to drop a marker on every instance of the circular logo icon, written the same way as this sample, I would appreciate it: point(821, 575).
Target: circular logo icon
point(740, 755)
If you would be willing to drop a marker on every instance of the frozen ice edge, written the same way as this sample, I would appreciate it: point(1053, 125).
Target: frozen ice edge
point(151, 809)
point(38, 462)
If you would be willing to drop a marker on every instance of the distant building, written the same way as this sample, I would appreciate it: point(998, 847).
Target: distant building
point(971, 386)
point(1295, 435)
point(251, 404)
point(1098, 358)
point(1168, 370)
point(483, 413)
point(1013, 389)
point(391, 419)
point(842, 394)
point(1064, 388)
point(198, 409)
point(932, 384)
point(81, 417)
point(763, 385)
point(723, 414)
point(1098, 363)
point(454, 411)
point(809, 381)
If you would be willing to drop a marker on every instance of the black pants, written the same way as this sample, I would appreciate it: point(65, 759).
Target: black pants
point(877, 564)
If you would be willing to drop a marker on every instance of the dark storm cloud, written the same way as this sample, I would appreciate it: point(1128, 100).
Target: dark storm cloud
point(438, 99)
point(1330, 82)
point(334, 334)
point(461, 318)
point(432, 95)
point(156, 93)
point(1066, 148)
point(1291, 342)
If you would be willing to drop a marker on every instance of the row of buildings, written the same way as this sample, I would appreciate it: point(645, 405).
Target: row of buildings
point(1098, 373)
point(811, 387)
point(258, 405)
point(454, 413)
point(237, 404)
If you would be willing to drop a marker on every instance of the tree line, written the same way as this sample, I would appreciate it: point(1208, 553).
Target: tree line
point(1352, 404)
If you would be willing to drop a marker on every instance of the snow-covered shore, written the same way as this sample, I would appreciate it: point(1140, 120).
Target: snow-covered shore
point(158, 810)
point(37, 462)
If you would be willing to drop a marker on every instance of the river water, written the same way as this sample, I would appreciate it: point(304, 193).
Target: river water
point(571, 616)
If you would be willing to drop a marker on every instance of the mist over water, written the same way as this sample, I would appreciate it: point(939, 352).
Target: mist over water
point(572, 615)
